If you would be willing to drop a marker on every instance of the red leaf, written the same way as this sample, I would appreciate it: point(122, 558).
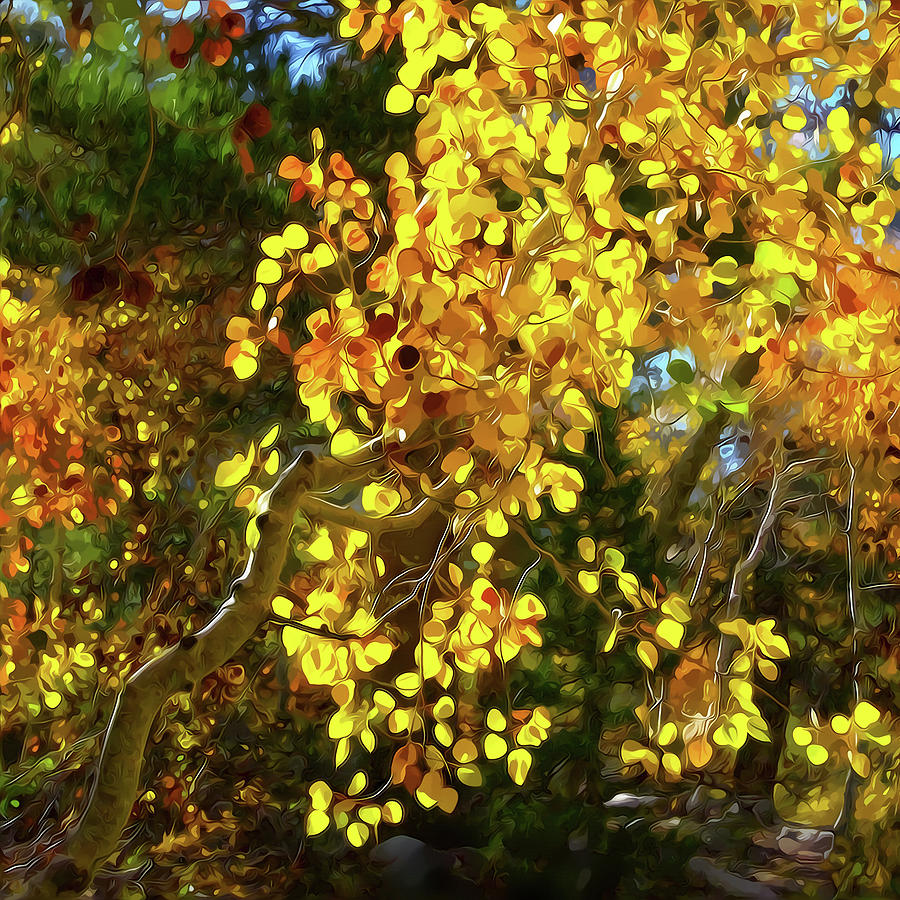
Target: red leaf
point(256, 121)
point(848, 301)
point(553, 352)
point(216, 51)
point(298, 189)
point(233, 25)
point(179, 60)
point(382, 327)
point(434, 405)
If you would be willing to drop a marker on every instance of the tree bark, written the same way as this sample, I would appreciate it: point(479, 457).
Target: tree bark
point(177, 669)
point(682, 477)
point(748, 566)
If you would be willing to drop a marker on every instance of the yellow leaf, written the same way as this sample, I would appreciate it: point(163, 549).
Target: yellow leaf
point(408, 683)
point(283, 607)
point(357, 833)
point(667, 734)
point(321, 548)
point(258, 298)
point(840, 724)
point(671, 763)
point(482, 552)
point(773, 645)
point(670, 632)
point(233, 471)
point(699, 752)
point(648, 654)
point(598, 182)
point(838, 123)
point(860, 763)
point(575, 406)
point(384, 702)
point(399, 100)
point(316, 822)
point(293, 639)
point(725, 270)
point(447, 800)
point(865, 714)
point(344, 443)
point(794, 119)
point(465, 751)
point(494, 746)
point(379, 499)
point(528, 607)
point(732, 733)
point(589, 582)
point(371, 815)
point(587, 549)
point(268, 272)
point(817, 754)
point(428, 660)
point(517, 764)
point(320, 795)
point(443, 734)
point(52, 699)
point(429, 790)
point(611, 640)
point(295, 237)
point(632, 752)
point(357, 784)
point(574, 441)
point(244, 366)
point(469, 775)
point(444, 707)
point(495, 523)
point(270, 437)
point(273, 247)
point(767, 668)
point(392, 812)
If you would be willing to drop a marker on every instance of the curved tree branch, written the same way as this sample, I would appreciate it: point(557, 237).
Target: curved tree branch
point(177, 669)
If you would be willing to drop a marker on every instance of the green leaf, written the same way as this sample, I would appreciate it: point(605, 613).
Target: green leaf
point(680, 370)
point(109, 35)
point(738, 406)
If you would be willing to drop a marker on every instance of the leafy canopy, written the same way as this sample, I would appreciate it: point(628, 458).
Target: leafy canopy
point(665, 229)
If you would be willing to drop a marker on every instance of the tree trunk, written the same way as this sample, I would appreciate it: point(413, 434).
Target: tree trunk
point(682, 477)
point(177, 669)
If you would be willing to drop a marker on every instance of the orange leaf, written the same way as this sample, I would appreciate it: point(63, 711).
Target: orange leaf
point(181, 38)
point(218, 10)
point(404, 767)
point(291, 168)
